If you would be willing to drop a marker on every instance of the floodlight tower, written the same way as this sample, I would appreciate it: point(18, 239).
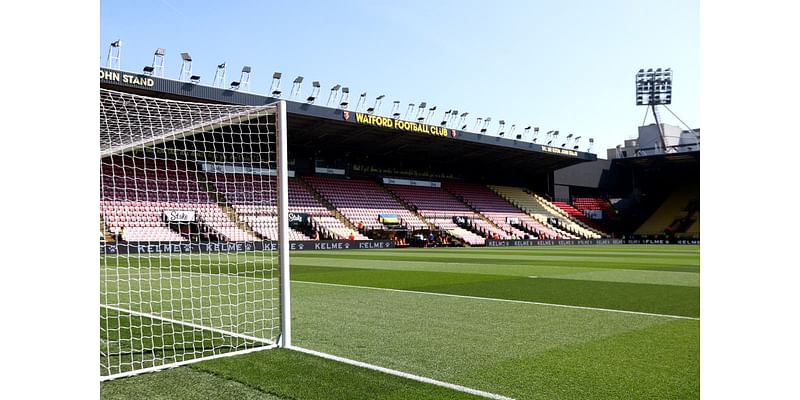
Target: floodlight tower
point(396, 109)
point(157, 68)
point(430, 114)
point(244, 80)
point(452, 120)
point(461, 122)
point(114, 54)
point(654, 88)
point(362, 99)
point(296, 87)
point(275, 87)
point(420, 110)
point(568, 139)
point(219, 76)
point(446, 118)
point(377, 105)
point(315, 88)
point(334, 94)
point(408, 111)
point(345, 98)
point(521, 136)
point(486, 124)
point(477, 122)
point(186, 67)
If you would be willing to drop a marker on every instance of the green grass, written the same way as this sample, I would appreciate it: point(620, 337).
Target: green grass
point(515, 349)
point(272, 374)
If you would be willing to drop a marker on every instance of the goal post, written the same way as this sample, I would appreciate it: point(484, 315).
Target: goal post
point(183, 277)
point(283, 227)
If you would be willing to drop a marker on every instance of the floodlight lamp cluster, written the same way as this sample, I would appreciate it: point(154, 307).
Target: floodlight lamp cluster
point(244, 79)
point(652, 87)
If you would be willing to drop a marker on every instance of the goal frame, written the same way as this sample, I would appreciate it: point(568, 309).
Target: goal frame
point(282, 200)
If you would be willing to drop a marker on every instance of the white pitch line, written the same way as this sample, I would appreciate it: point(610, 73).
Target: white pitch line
point(504, 300)
point(104, 378)
point(189, 324)
point(458, 296)
point(401, 374)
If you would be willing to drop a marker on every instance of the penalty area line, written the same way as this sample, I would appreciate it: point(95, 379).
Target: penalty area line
point(401, 374)
point(459, 296)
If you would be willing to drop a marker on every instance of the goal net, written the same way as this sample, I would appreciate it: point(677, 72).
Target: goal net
point(183, 278)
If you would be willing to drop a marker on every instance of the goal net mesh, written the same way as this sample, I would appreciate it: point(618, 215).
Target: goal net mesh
point(182, 276)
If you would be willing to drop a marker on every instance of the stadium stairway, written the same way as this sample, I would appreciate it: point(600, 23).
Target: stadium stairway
point(482, 216)
point(580, 218)
point(409, 207)
point(489, 206)
point(523, 200)
point(362, 200)
point(222, 203)
point(451, 236)
point(574, 226)
point(439, 207)
point(333, 211)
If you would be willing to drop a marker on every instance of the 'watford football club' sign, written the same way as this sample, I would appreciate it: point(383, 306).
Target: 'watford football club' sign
point(407, 126)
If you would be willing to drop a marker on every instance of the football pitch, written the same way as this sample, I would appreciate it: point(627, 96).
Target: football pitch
point(562, 322)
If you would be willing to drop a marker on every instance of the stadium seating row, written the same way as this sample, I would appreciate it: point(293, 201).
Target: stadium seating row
point(241, 207)
point(679, 213)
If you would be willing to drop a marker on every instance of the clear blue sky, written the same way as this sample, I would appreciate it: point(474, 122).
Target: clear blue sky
point(559, 65)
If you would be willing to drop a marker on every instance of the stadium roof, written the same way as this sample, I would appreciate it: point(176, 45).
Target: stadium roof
point(316, 130)
point(686, 159)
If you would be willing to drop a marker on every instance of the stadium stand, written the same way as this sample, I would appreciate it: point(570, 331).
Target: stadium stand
point(497, 210)
point(679, 214)
point(439, 207)
point(135, 193)
point(138, 221)
point(361, 201)
point(578, 215)
point(531, 204)
point(255, 194)
point(694, 229)
point(332, 228)
point(593, 203)
point(267, 227)
point(566, 221)
point(253, 198)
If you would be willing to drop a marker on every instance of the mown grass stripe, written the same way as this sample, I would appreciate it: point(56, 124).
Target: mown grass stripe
point(655, 265)
point(402, 374)
point(502, 300)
